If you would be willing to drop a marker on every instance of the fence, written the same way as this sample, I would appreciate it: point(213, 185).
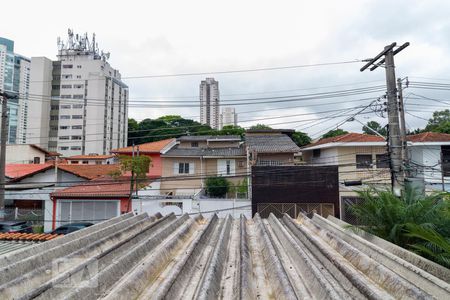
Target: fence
point(35, 216)
point(346, 211)
point(293, 209)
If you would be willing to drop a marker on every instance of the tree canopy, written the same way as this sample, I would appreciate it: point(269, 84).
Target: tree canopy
point(334, 132)
point(439, 122)
point(301, 138)
point(150, 130)
point(374, 125)
point(260, 126)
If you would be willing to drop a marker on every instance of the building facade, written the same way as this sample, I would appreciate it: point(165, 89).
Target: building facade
point(209, 103)
point(15, 78)
point(83, 104)
point(228, 117)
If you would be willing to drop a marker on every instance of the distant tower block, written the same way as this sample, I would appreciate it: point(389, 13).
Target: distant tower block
point(209, 103)
point(228, 117)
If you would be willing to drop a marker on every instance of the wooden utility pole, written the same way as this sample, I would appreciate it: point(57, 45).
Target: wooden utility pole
point(394, 137)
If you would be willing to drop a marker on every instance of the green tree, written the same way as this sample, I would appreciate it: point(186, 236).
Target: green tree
point(334, 132)
point(150, 130)
point(133, 127)
point(230, 130)
point(301, 138)
point(417, 222)
point(439, 122)
point(139, 166)
point(217, 187)
point(260, 126)
point(374, 125)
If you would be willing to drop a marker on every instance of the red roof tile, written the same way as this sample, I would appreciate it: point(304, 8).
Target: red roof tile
point(19, 236)
point(153, 147)
point(101, 187)
point(89, 171)
point(429, 137)
point(351, 137)
point(89, 157)
point(20, 171)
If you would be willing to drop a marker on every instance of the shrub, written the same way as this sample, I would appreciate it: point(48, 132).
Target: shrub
point(217, 187)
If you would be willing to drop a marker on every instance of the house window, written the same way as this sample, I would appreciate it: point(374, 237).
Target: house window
point(228, 167)
point(66, 86)
point(76, 137)
point(194, 144)
point(75, 148)
point(67, 66)
point(446, 160)
point(77, 117)
point(65, 117)
point(85, 162)
point(64, 148)
point(363, 161)
point(316, 153)
point(382, 161)
point(77, 127)
point(183, 168)
point(74, 162)
point(37, 160)
point(64, 137)
point(241, 164)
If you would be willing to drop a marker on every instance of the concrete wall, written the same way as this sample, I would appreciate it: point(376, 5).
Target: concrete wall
point(349, 171)
point(38, 110)
point(202, 168)
point(283, 158)
point(23, 154)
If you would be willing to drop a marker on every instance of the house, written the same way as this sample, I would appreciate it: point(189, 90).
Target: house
point(195, 158)
point(270, 147)
point(361, 159)
point(93, 201)
point(154, 150)
point(429, 154)
point(29, 186)
point(26, 154)
point(91, 159)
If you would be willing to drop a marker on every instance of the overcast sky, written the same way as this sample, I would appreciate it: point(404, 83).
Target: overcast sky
point(170, 37)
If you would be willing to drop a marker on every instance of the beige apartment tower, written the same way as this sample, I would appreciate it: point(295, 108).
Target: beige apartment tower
point(83, 104)
point(209, 103)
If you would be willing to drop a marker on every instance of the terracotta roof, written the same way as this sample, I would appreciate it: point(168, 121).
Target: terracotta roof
point(351, 137)
point(89, 171)
point(153, 147)
point(101, 187)
point(89, 157)
point(35, 237)
point(429, 137)
point(19, 171)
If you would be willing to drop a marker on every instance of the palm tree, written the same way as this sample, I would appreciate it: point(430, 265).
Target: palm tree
point(420, 223)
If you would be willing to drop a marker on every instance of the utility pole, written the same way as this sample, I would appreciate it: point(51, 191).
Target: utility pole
point(405, 154)
point(394, 138)
point(3, 138)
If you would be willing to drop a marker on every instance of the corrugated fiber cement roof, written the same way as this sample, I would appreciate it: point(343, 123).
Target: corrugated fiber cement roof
point(142, 257)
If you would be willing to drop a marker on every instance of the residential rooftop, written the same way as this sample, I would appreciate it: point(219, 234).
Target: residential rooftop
point(152, 147)
point(17, 172)
point(90, 157)
point(429, 137)
point(199, 138)
point(271, 143)
point(142, 257)
point(89, 171)
point(197, 152)
point(101, 187)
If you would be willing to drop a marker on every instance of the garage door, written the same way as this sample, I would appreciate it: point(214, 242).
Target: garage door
point(88, 211)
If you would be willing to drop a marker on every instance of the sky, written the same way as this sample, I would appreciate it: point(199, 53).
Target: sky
point(172, 37)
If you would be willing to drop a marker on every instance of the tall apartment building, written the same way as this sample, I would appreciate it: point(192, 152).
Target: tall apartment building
point(15, 79)
point(228, 117)
point(209, 103)
point(83, 103)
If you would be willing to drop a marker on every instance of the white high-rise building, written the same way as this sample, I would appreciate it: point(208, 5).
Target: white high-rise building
point(209, 103)
point(82, 104)
point(228, 117)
